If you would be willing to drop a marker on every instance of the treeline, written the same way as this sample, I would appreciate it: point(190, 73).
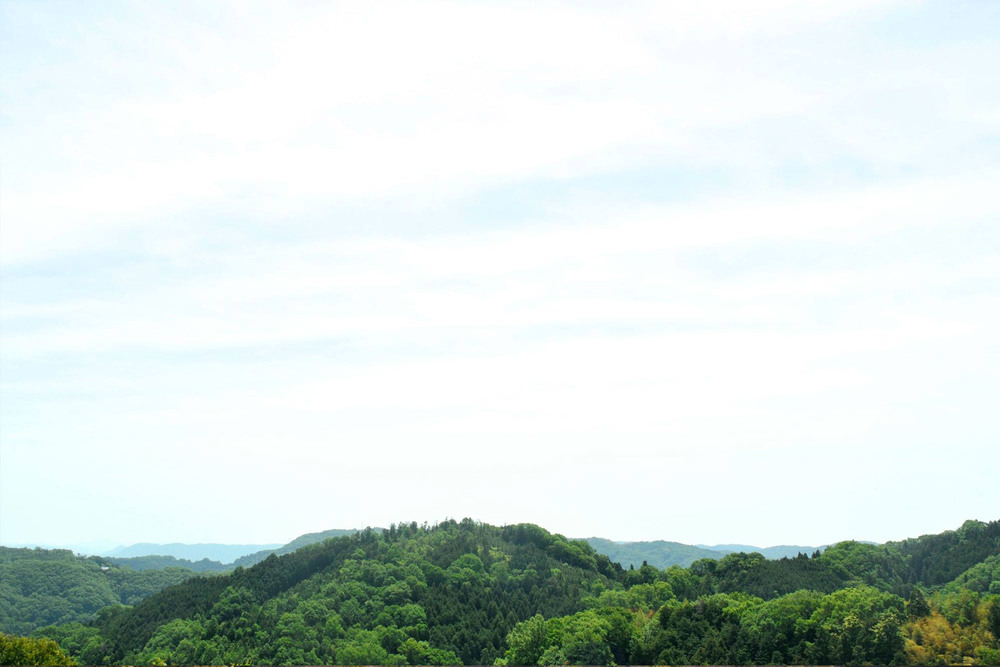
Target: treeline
point(853, 626)
point(466, 592)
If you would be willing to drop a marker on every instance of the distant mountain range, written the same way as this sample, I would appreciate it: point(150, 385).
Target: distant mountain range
point(216, 557)
point(661, 554)
point(658, 553)
point(140, 563)
point(222, 553)
point(773, 553)
point(297, 543)
point(212, 557)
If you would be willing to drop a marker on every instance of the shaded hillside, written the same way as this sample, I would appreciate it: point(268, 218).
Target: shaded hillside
point(980, 578)
point(898, 567)
point(40, 587)
point(656, 553)
point(937, 559)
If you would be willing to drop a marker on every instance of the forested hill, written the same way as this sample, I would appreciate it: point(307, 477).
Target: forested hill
point(938, 559)
point(41, 587)
point(455, 590)
point(473, 593)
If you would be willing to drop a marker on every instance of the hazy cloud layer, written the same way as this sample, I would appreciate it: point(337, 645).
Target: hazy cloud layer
point(710, 273)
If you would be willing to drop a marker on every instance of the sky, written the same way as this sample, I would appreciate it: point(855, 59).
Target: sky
point(701, 272)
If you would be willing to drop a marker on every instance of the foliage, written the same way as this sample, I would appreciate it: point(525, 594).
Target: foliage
point(959, 629)
point(938, 559)
point(982, 577)
point(44, 587)
point(31, 651)
point(594, 637)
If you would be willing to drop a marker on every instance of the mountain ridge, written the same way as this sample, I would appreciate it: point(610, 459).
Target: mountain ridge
point(772, 552)
point(222, 553)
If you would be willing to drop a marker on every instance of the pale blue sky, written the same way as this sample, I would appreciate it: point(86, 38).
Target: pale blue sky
point(706, 272)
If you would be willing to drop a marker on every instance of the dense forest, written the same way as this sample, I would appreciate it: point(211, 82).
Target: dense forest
point(471, 593)
point(44, 587)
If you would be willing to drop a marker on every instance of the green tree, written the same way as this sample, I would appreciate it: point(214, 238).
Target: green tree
point(917, 606)
point(527, 641)
point(31, 651)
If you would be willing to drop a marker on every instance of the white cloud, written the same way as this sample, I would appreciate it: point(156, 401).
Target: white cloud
point(622, 270)
point(308, 112)
point(221, 242)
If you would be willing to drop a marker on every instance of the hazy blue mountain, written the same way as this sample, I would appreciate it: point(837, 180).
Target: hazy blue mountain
point(773, 553)
point(222, 553)
point(85, 548)
point(215, 557)
point(659, 553)
point(297, 543)
point(162, 562)
point(664, 554)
